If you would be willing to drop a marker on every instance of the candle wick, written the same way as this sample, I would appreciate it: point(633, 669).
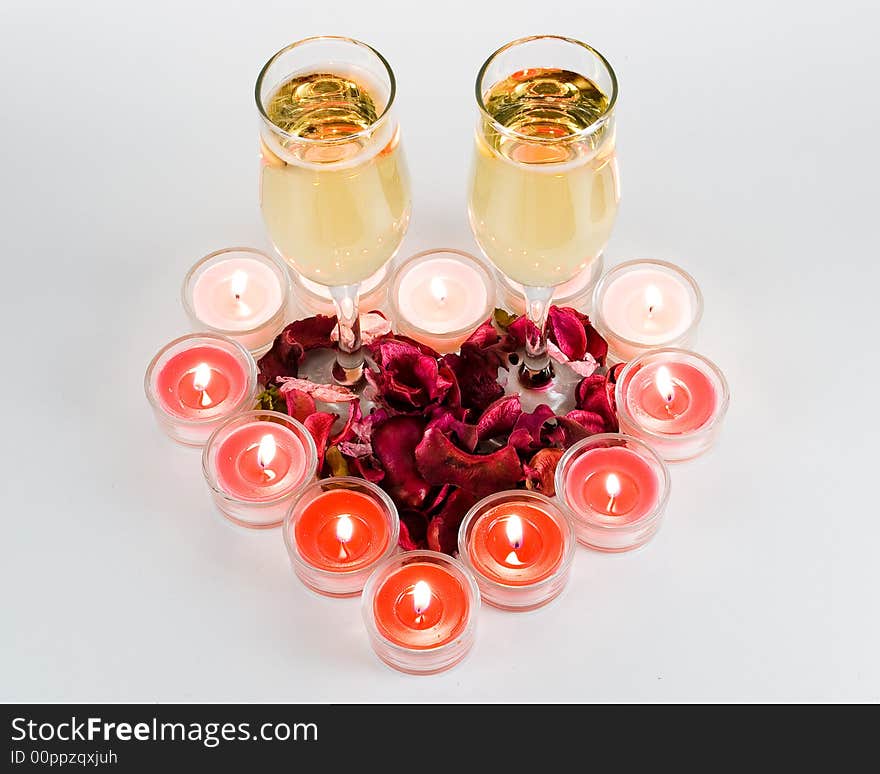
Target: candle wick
point(205, 400)
point(610, 507)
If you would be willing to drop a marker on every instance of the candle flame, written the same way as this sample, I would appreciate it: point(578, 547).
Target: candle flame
point(202, 376)
point(514, 530)
point(612, 485)
point(438, 289)
point(665, 385)
point(344, 528)
point(421, 597)
point(653, 298)
point(266, 451)
point(238, 283)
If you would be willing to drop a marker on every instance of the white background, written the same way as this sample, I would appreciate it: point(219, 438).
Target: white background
point(748, 145)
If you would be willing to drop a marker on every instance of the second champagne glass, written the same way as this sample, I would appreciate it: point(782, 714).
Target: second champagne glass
point(544, 184)
point(334, 187)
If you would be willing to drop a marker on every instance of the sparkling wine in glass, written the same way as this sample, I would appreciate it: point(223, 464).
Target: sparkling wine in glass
point(334, 187)
point(544, 185)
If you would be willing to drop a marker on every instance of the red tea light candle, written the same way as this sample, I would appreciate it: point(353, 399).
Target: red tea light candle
point(674, 400)
point(420, 608)
point(241, 293)
point(314, 298)
point(577, 293)
point(519, 546)
point(255, 463)
point(641, 305)
point(337, 532)
point(615, 488)
point(440, 297)
point(197, 382)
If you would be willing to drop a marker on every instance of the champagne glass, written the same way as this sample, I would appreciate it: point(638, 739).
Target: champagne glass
point(544, 185)
point(334, 187)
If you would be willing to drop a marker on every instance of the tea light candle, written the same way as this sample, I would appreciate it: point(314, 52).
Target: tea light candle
point(241, 293)
point(196, 382)
point(336, 533)
point(641, 305)
point(255, 463)
point(673, 399)
point(313, 298)
point(615, 488)
point(577, 293)
point(439, 297)
point(519, 546)
point(419, 608)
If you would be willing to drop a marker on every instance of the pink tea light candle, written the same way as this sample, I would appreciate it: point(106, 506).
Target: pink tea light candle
point(420, 611)
point(615, 488)
point(576, 293)
point(674, 400)
point(641, 305)
point(241, 293)
point(197, 382)
point(313, 298)
point(255, 463)
point(519, 546)
point(440, 297)
point(337, 531)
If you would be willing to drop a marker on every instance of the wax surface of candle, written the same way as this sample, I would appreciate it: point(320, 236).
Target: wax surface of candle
point(686, 404)
point(236, 294)
point(200, 382)
point(342, 530)
point(632, 492)
point(441, 295)
point(516, 544)
point(246, 473)
point(649, 305)
point(437, 620)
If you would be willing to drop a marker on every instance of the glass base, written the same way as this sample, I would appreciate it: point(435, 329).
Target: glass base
point(536, 378)
point(347, 377)
point(557, 393)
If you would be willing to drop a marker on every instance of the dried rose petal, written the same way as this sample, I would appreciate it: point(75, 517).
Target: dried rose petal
point(565, 330)
point(541, 469)
point(441, 462)
point(444, 419)
point(394, 443)
point(595, 395)
point(299, 404)
point(499, 418)
point(593, 422)
point(443, 527)
point(413, 530)
point(527, 433)
point(326, 393)
point(596, 345)
point(407, 378)
point(373, 326)
point(287, 350)
point(367, 467)
point(319, 424)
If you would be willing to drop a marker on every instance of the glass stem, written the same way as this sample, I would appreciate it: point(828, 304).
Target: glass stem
point(537, 370)
point(349, 368)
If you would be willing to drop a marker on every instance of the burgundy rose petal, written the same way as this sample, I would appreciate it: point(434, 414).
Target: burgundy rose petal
point(568, 431)
point(299, 404)
point(499, 418)
point(482, 337)
point(367, 467)
point(443, 527)
point(318, 425)
point(595, 394)
point(566, 331)
point(406, 377)
point(593, 422)
point(527, 433)
point(347, 433)
point(394, 443)
point(596, 345)
point(441, 462)
point(476, 373)
point(413, 530)
point(446, 421)
point(289, 346)
point(541, 469)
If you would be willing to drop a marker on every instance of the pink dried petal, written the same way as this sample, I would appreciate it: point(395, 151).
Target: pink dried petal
point(326, 393)
point(318, 425)
point(443, 527)
point(373, 325)
point(394, 443)
point(566, 331)
point(441, 462)
point(299, 404)
point(541, 470)
point(354, 449)
point(585, 367)
point(594, 422)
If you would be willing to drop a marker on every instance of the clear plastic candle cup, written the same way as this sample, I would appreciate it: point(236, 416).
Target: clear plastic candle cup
point(615, 487)
point(577, 293)
point(255, 464)
point(241, 293)
point(440, 297)
point(674, 400)
point(337, 531)
point(196, 382)
point(641, 305)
